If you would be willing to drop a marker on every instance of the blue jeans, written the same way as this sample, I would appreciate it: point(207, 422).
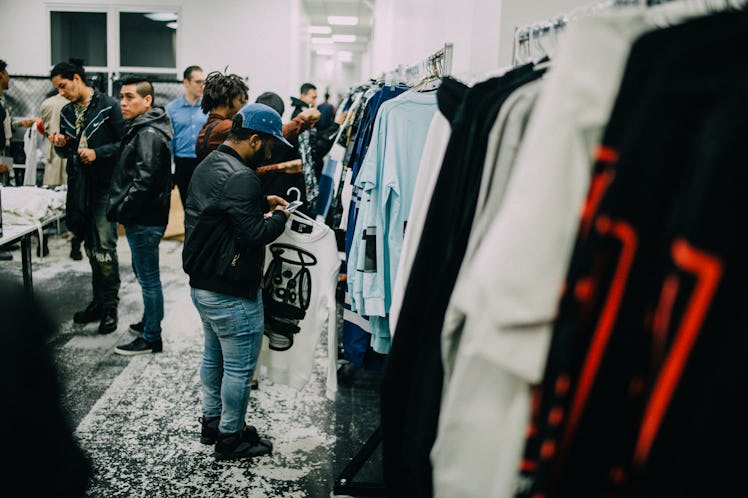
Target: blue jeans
point(144, 241)
point(233, 328)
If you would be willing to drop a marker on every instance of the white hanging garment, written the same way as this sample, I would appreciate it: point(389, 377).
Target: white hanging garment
point(33, 146)
point(301, 276)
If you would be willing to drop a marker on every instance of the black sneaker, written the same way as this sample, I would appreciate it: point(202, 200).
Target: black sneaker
point(209, 431)
point(136, 328)
point(245, 444)
point(139, 346)
point(92, 313)
point(108, 322)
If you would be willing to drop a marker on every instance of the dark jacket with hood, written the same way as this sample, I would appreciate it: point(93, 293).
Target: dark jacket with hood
point(298, 106)
point(141, 183)
point(225, 230)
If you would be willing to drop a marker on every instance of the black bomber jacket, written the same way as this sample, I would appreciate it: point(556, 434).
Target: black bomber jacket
point(224, 226)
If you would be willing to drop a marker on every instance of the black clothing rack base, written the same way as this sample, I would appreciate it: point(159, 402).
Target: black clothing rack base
point(344, 484)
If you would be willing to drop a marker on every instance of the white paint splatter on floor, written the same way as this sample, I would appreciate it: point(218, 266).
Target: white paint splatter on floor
point(142, 434)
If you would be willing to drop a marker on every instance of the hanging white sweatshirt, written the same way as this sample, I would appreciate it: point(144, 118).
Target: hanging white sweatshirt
point(301, 275)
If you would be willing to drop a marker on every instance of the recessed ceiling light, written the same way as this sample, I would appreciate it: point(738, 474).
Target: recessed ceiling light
point(320, 30)
point(344, 38)
point(172, 25)
point(322, 41)
point(342, 20)
point(161, 16)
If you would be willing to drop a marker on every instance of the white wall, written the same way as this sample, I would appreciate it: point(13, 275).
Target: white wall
point(255, 38)
point(482, 31)
point(520, 13)
point(405, 33)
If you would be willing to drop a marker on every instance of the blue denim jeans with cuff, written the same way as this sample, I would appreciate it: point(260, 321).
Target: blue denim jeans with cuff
point(233, 328)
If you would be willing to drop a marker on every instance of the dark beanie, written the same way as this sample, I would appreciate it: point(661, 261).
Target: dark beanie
point(273, 100)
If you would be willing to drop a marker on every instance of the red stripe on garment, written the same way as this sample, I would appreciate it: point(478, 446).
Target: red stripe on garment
point(598, 186)
point(708, 270)
point(662, 317)
point(626, 234)
point(606, 155)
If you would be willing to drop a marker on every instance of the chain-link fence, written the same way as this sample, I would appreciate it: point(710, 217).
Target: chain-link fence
point(26, 92)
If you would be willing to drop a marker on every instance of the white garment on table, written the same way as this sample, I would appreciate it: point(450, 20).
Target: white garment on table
point(294, 366)
point(29, 205)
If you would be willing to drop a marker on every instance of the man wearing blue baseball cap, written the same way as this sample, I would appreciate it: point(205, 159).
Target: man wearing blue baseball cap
point(227, 224)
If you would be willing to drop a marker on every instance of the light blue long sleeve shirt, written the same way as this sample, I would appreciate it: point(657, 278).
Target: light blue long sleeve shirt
point(187, 121)
point(387, 178)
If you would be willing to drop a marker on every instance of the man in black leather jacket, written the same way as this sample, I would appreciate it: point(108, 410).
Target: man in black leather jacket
point(139, 199)
point(226, 227)
point(91, 128)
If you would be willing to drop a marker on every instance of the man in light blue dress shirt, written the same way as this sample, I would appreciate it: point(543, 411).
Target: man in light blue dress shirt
point(187, 119)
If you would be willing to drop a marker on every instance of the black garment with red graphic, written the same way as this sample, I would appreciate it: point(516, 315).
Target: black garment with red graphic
point(646, 380)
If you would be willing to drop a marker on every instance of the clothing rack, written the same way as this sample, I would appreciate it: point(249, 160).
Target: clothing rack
point(436, 65)
point(528, 38)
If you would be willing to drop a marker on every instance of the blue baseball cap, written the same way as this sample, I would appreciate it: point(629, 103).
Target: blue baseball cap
point(263, 118)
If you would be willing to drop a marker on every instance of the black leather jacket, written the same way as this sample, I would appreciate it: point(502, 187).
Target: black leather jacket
point(225, 232)
point(141, 183)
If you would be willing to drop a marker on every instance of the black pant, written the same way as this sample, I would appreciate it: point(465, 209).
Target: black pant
point(183, 169)
point(100, 241)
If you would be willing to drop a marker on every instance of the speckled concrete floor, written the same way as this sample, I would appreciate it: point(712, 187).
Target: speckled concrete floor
point(137, 417)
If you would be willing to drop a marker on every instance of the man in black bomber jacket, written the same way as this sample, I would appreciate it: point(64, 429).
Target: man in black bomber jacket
point(139, 199)
point(227, 223)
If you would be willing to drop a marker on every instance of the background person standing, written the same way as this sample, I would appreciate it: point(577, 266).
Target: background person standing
point(140, 199)
point(91, 128)
point(55, 166)
point(307, 99)
point(187, 119)
point(224, 95)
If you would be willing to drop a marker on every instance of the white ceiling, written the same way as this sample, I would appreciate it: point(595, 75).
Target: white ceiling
point(318, 10)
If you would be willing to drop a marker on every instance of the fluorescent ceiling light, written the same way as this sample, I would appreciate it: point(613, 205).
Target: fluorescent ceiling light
point(172, 25)
point(325, 51)
point(322, 41)
point(162, 16)
point(320, 30)
point(344, 38)
point(342, 20)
